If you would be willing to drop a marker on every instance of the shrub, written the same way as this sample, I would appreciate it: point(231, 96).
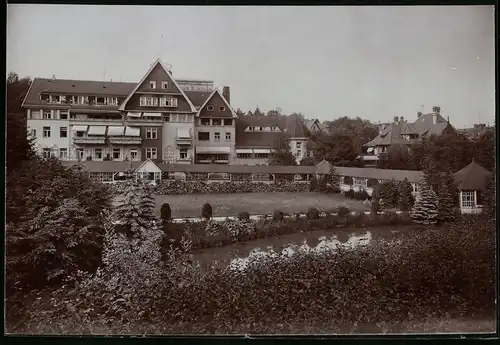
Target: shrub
point(312, 213)
point(349, 194)
point(361, 195)
point(343, 211)
point(206, 211)
point(243, 216)
point(375, 206)
point(313, 184)
point(278, 215)
point(166, 213)
point(405, 197)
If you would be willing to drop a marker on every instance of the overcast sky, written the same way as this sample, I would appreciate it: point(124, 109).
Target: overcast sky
point(326, 62)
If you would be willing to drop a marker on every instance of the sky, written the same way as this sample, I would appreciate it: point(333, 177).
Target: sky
point(325, 62)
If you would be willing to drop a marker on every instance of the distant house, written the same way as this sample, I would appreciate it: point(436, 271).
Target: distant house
point(471, 182)
point(316, 127)
point(402, 132)
point(476, 131)
point(258, 136)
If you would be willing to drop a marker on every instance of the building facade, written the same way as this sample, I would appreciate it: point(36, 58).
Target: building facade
point(159, 118)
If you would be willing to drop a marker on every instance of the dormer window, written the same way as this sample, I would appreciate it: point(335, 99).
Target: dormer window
point(164, 85)
point(222, 108)
point(210, 108)
point(152, 84)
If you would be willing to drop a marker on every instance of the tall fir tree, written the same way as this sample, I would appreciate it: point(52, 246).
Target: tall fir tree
point(425, 210)
point(446, 204)
point(448, 180)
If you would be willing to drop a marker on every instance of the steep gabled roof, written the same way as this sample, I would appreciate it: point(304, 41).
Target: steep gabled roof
point(156, 63)
point(472, 177)
point(216, 92)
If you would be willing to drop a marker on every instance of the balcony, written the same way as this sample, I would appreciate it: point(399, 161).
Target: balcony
point(98, 140)
point(184, 141)
point(125, 140)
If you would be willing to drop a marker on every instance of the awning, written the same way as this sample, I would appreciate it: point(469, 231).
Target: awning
point(261, 150)
point(244, 151)
point(370, 149)
point(152, 114)
point(115, 131)
point(207, 149)
point(97, 130)
point(134, 114)
point(132, 131)
point(79, 128)
point(183, 133)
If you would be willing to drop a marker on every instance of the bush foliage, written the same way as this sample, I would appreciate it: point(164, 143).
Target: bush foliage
point(454, 278)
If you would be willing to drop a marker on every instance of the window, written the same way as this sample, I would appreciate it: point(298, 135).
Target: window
point(203, 136)
point(298, 153)
point(228, 122)
point(63, 153)
point(298, 145)
point(107, 176)
point(164, 85)
point(116, 153)
point(210, 108)
point(79, 134)
point(133, 153)
point(149, 102)
point(111, 101)
point(33, 133)
point(46, 132)
point(260, 129)
point(166, 117)
point(222, 108)
point(361, 182)
point(151, 133)
point(183, 153)
point(63, 115)
point(151, 152)
point(217, 136)
point(79, 153)
point(168, 102)
point(182, 118)
point(63, 132)
point(244, 155)
point(47, 114)
point(46, 153)
point(205, 122)
point(468, 198)
point(98, 153)
point(152, 84)
point(216, 122)
point(262, 155)
point(228, 136)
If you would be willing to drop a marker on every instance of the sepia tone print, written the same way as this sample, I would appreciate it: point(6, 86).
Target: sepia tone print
point(250, 177)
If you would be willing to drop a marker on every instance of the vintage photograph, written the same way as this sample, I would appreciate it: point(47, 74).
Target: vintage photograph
point(250, 170)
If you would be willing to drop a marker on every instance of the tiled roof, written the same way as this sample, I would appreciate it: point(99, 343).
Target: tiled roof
point(472, 177)
point(105, 166)
point(91, 87)
point(323, 168)
point(291, 126)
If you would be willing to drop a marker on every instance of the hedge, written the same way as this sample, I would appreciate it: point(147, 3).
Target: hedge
point(174, 187)
point(376, 284)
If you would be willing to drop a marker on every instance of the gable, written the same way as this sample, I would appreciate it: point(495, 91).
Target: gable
point(216, 106)
point(148, 166)
point(158, 74)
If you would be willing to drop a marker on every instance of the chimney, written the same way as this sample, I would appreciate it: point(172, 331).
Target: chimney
point(436, 109)
point(226, 94)
point(53, 76)
point(419, 114)
point(396, 119)
point(401, 119)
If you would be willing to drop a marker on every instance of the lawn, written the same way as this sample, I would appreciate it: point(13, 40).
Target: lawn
point(184, 206)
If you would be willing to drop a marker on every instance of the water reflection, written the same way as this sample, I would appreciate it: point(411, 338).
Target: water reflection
point(322, 245)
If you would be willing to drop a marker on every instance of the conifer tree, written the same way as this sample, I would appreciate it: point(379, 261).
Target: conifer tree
point(425, 210)
point(334, 180)
point(137, 209)
point(446, 204)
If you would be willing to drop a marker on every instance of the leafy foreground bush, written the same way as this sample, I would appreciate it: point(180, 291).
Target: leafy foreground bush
point(173, 187)
point(380, 283)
